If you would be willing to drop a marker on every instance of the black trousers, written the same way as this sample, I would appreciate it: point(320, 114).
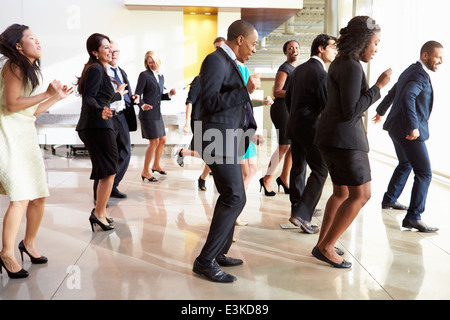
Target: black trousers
point(229, 205)
point(123, 141)
point(304, 196)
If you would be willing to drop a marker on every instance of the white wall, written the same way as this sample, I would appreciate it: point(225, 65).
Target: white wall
point(63, 27)
point(406, 25)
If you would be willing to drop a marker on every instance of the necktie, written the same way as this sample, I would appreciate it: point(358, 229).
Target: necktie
point(116, 75)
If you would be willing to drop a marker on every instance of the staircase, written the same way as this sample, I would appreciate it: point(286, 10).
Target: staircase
point(303, 27)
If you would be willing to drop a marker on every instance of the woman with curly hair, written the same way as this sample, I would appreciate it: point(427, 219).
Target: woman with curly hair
point(341, 135)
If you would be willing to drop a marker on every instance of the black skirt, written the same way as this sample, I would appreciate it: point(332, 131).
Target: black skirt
point(347, 167)
point(280, 117)
point(102, 147)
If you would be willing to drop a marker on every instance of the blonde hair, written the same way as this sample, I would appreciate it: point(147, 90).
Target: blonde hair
point(154, 57)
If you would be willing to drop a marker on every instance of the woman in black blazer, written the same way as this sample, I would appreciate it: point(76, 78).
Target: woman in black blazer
point(150, 88)
point(95, 127)
point(341, 134)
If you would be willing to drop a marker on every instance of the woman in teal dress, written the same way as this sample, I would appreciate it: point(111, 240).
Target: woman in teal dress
point(249, 164)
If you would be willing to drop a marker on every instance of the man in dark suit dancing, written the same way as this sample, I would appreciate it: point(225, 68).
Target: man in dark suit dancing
point(306, 98)
point(407, 124)
point(227, 119)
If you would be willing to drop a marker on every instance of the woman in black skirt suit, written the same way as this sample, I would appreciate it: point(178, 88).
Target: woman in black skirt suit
point(341, 135)
point(95, 127)
point(150, 88)
point(279, 115)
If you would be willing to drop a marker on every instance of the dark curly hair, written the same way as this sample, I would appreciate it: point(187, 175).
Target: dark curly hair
point(354, 39)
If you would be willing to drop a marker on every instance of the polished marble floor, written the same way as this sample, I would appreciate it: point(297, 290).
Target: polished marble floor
point(161, 228)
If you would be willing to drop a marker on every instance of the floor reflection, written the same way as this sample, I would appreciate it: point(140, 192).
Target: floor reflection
point(161, 227)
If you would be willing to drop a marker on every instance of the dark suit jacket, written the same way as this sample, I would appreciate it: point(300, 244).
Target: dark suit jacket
point(153, 93)
point(412, 102)
point(194, 98)
point(98, 93)
point(341, 125)
point(305, 99)
point(224, 99)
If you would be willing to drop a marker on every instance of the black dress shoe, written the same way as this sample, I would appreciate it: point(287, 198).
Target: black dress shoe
point(338, 251)
point(319, 255)
point(304, 225)
point(212, 271)
point(393, 206)
point(117, 194)
point(419, 225)
point(227, 261)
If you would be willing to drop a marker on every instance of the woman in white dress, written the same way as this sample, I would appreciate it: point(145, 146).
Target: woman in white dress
point(22, 170)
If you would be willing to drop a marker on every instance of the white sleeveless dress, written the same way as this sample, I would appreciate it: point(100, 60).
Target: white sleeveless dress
point(22, 169)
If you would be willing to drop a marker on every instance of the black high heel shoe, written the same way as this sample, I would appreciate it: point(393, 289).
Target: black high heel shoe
point(13, 275)
point(110, 220)
point(280, 183)
point(152, 179)
point(201, 184)
point(34, 260)
point(164, 173)
point(180, 158)
point(267, 193)
point(94, 220)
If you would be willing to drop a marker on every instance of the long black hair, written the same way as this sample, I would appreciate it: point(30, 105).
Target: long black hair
point(93, 43)
point(355, 38)
point(30, 72)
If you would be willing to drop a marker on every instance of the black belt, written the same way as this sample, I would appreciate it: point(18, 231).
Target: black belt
point(115, 113)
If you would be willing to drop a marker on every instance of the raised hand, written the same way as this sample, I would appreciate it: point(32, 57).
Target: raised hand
point(254, 83)
point(136, 99)
point(384, 79)
point(53, 88)
point(64, 92)
point(121, 89)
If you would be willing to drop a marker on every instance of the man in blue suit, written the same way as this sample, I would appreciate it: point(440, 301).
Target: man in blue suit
point(407, 124)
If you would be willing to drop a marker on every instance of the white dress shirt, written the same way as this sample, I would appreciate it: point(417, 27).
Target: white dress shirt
point(116, 105)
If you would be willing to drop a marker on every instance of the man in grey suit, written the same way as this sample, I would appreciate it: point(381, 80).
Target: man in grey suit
point(407, 125)
point(227, 118)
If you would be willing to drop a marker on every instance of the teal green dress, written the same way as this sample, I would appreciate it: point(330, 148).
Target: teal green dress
point(251, 151)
